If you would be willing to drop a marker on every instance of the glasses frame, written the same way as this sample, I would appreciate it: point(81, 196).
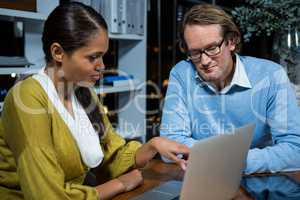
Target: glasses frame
point(205, 51)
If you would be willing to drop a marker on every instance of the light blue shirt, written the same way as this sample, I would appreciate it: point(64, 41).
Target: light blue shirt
point(260, 93)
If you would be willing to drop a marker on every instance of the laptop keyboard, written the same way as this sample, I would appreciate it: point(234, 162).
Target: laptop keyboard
point(166, 191)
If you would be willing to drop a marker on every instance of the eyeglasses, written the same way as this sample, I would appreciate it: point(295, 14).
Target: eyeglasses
point(195, 55)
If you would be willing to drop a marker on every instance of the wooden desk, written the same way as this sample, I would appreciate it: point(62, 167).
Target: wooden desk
point(157, 172)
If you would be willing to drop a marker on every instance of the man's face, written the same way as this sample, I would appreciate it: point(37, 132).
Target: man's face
point(217, 67)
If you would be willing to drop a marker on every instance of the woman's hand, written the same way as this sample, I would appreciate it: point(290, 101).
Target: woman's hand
point(131, 179)
point(171, 149)
point(165, 147)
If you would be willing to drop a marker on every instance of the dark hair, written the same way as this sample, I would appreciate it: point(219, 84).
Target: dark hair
point(206, 14)
point(72, 25)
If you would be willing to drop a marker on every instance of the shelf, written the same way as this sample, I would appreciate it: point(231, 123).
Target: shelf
point(112, 89)
point(125, 36)
point(22, 14)
point(17, 70)
point(14, 61)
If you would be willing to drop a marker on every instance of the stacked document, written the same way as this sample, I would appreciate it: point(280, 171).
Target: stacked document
point(118, 81)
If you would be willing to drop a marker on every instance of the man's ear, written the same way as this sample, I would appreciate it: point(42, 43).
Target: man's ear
point(57, 52)
point(232, 44)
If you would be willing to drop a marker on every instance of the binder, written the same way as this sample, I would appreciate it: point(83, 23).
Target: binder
point(135, 16)
point(122, 16)
point(141, 16)
point(130, 16)
point(109, 10)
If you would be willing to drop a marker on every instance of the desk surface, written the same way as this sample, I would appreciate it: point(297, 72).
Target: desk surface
point(157, 172)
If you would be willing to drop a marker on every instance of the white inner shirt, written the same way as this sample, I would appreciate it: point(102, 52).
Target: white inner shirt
point(80, 126)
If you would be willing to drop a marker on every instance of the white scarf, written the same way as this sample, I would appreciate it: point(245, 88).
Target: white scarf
point(80, 126)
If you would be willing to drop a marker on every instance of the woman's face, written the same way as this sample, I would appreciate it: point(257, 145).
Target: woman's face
point(83, 67)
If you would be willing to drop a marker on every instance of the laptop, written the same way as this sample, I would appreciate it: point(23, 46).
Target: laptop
point(213, 171)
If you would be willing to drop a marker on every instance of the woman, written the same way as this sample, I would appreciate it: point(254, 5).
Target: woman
point(53, 128)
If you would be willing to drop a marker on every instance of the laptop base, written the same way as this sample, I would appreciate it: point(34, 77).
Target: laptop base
point(169, 190)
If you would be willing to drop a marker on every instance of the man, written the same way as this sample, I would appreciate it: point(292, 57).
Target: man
point(215, 90)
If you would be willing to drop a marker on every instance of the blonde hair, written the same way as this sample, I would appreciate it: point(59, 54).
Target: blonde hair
point(207, 14)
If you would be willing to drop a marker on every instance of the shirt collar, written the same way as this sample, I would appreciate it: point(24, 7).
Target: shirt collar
point(239, 78)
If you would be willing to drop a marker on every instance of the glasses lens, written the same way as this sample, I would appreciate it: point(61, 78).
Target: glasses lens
point(194, 55)
point(213, 51)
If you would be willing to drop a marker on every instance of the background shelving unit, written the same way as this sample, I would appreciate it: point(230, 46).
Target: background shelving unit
point(131, 56)
point(132, 53)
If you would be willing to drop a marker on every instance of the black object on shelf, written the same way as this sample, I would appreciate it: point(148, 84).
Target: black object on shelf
point(12, 44)
point(6, 82)
point(12, 38)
